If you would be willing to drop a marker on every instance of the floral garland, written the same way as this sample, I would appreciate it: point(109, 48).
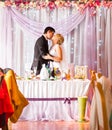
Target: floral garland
point(80, 5)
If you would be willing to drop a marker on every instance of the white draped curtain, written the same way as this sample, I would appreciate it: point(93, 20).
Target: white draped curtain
point(87, 36)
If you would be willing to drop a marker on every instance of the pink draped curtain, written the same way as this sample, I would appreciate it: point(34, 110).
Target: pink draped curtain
point(87, 38)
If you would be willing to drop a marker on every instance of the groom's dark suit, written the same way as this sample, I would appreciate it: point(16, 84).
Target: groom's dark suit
point(40, 49)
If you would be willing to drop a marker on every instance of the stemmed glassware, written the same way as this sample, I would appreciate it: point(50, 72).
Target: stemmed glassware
point(34, 70)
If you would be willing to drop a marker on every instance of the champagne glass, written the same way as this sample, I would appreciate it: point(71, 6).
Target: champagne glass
point(35, 69)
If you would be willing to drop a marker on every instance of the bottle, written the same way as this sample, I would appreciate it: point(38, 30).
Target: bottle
point(53, 73)
point(48, 69)
point(44, 75)
point(68, 77)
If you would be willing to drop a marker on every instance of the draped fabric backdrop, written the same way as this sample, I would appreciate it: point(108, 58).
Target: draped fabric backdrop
point(87, 37)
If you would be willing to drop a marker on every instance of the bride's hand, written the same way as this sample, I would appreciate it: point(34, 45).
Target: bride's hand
point(46, 57)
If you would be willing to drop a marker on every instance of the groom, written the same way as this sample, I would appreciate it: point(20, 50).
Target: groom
point(41, 49)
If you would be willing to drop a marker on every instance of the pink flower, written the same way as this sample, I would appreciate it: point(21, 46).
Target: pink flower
point(51, 5)
point(8, 3)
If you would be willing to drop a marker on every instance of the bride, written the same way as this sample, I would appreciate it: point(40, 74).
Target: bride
point(55, 52)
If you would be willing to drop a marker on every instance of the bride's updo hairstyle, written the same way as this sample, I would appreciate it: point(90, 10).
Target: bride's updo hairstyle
point(60, 38)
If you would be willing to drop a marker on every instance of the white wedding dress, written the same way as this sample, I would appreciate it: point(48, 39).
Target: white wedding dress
point(53, 52)
point(63, 65)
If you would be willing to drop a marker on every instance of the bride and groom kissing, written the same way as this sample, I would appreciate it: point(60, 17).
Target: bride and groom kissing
point(44, 55)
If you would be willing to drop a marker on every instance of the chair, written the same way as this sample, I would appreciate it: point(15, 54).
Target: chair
point(17, 99)
point(6, 109)
point(101, 103)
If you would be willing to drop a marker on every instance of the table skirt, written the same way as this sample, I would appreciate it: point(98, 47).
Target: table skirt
point(53, 110)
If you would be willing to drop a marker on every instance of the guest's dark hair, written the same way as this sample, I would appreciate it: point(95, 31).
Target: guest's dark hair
point(49, 29)
point(1, 70)
point(1, 77)
point(6, 70)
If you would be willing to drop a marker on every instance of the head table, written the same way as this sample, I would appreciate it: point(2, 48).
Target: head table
point(53, 100)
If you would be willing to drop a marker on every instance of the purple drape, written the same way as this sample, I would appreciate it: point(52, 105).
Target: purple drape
point(93, 45)
point(64, 27)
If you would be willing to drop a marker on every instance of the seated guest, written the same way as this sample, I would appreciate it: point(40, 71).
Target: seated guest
point(6, 70)
point(6, 109)
point(17, 99)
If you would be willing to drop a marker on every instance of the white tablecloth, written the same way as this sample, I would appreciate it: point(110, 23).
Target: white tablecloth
point(52, 110)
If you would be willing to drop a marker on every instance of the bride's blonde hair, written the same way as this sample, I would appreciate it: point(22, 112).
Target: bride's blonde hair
point(60, 38)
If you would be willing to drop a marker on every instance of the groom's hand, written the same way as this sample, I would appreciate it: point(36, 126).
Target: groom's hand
point(46, 57)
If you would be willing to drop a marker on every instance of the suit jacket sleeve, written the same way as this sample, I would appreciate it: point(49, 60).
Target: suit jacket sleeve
point(43, 46)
